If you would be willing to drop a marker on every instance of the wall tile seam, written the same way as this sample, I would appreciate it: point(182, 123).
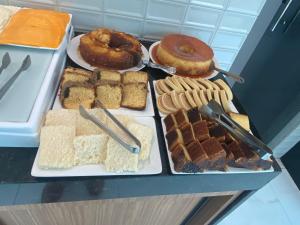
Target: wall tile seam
point(59, 4)
point(36, 4)
point(144, 18)
point(218, 24)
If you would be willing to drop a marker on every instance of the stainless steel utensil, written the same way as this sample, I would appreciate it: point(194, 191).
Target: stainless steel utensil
point(131, 148)
point(167, 69)
point(215, 111)
point(5, 62)
point(25, 65)
point(233, 76)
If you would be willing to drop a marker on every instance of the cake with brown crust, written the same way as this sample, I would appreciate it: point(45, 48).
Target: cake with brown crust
point(187, 54)
point(107, 48)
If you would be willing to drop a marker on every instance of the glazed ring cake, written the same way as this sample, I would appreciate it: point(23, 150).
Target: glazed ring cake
point(188, 54)
point(110, 49)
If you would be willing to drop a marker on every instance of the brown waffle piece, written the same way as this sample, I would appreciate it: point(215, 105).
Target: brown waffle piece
point(215, 153)
point(170, 122)
point(187, 133)
point(218, 132)
point(201, 130)
point(197, 155)
point(174, 137)
point(193, 115)
point(181, 117)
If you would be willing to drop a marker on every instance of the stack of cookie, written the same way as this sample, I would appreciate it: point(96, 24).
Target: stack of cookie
point(185, 93)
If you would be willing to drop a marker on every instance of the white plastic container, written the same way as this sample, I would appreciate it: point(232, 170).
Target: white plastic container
point(26, 133)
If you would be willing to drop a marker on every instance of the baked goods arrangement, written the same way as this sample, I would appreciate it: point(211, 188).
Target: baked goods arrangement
point(185, 93)
point(106, 48)
point(68, 140)
point(113, 89)
point(33, 27)
point(187, 54)
point(197, 144)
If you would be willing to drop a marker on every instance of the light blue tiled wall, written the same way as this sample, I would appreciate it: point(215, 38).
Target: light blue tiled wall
point(223, 24)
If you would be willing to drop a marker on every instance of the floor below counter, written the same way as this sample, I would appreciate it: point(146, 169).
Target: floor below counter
point(277, 203)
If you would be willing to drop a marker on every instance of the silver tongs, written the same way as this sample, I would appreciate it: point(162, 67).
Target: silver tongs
point(132, 148)
point(214, 111)
point(167, 69)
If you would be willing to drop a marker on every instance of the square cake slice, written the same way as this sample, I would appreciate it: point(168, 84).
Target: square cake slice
point(187, 133)
point(197, 154)
point(144, 134)
point(215, 153)
point(87, 127)
point(109, 95)
point(201, 130)
point(90, 149)
point(170, 122)
point(181, 117)
point(76, 75)
point(64, 117)
point(56, 147)
point(134, 96)
point(194, 115)
point(180, 157)
point(109, 77)
point(118, 159)
point(174, 137)
point(135, 77)
point(74, 94)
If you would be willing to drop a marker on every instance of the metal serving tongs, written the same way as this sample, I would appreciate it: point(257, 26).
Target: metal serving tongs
point(132, 148)
point(167, 69)
point(214, 111)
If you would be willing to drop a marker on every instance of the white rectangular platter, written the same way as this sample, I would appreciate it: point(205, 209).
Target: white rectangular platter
point(231, 170)
point(148, 111)
point(153, 166)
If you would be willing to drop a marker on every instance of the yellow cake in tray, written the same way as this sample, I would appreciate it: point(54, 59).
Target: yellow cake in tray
point(36, 27)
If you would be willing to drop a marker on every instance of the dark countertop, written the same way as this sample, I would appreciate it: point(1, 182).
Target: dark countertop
point(17, 186)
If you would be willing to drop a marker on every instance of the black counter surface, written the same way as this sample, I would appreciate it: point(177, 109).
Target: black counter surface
point(17, 186)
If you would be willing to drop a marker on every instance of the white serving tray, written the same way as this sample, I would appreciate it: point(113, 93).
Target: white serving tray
point(152, 57)
point(154, 165)
point(148, 111)
point(74, 54)
point(231, 170)
point(26, 134)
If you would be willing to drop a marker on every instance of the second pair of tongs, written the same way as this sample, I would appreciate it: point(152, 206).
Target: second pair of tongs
point(132, 148)
point(214, 111)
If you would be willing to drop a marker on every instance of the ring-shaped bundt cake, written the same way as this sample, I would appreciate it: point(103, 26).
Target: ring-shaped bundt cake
point(107, 48)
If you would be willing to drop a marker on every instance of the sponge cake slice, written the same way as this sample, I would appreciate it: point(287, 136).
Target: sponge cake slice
point(56, 147)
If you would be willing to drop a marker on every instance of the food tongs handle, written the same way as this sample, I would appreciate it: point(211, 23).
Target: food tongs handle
point(133, 149)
